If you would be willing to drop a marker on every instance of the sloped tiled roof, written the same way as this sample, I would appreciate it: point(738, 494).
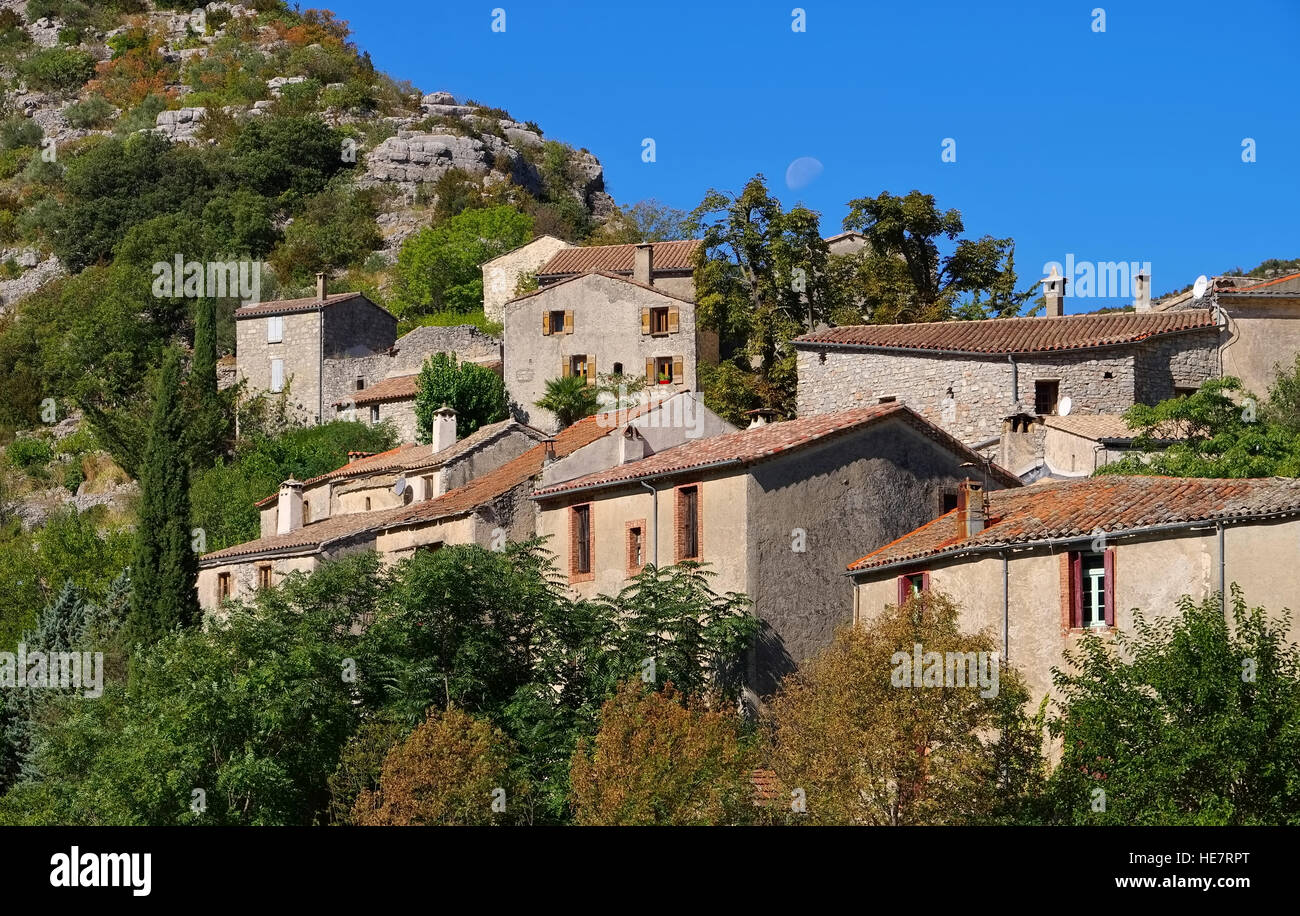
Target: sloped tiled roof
point(619, 258)
point(1080, 508)
point(309, 304)
point(1287, 286)
point(1014, 335)
point(309, 537)
point(397, 388)
point(578, 278)
point(409, 456)
point(488, 487)
point(1111, 426)
point(749, 446)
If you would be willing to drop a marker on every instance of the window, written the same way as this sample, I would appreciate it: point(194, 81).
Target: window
point(1046, 394)
point(688, 523)
point(361, 384)
point(580, 541)
point(659, 320)
point(275, 329)
point(374, 414)
point(618, 368)
point(557, 321)
point(1181, 392)
point(367, 503)
point(1090, 601)
point(911, 585)
point(223, 586)
point(887, 399)
point(949, 501)
point(306, 512)
point(277, 376)
point(429, 548)
point(635, 547)
point(264, 576)
point(578, 365)
point(664, 370)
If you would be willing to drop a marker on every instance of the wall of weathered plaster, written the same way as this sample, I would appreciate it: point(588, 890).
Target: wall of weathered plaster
point(501, 275)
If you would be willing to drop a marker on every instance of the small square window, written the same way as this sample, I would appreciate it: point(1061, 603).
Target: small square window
point(578, 366)
point(264, 576)
point(664, 369)
point(361, 384)
point(556, 321)
point(659, 320)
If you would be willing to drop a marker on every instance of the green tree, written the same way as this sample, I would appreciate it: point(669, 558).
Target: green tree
point(1191, 718)
point(910, 228)
point(644, 221)
point(166, 565)
point(438, 268)
point(570, 398)
point(476, 393)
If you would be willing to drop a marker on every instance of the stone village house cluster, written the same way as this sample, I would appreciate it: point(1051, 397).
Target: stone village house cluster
point(883, 485)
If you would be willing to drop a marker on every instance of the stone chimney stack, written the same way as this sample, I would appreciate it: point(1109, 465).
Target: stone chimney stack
point(632, 445)
point(1054, 293)
point(1142, 291)
point(320, 287)
point(760, 417)
point(444, 429)
point(548, 451)
point(288, 516)
point(970, 508)
point(644, 264)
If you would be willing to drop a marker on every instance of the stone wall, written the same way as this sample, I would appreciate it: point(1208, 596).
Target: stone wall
point(501, 274)
point(358, 328)
point(969, 396)
point(300, 350)
point(606, 327)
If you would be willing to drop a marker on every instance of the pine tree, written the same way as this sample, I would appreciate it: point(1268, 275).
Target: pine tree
point(165, 568)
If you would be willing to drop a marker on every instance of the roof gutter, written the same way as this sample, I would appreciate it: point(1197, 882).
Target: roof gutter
point(995, 547)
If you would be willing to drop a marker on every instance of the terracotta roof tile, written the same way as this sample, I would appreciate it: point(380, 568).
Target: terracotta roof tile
point(309, 304)
point(577, 278)
point(1015, 335)
point(619, 258)
point(1080, 508)
point(759, 443)
point(397, 388)
point(309, 537)
point(1109, 426)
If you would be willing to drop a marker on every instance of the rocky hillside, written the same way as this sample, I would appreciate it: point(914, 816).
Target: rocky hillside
point(74, 70)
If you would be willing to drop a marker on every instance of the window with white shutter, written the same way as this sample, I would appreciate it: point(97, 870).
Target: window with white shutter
point(275, 329)
point(277, 375)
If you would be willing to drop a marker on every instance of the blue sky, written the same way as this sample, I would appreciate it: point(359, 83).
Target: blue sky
point(1122, 145)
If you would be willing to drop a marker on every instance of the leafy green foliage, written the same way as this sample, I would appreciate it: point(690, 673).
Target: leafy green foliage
point(438, 269)
point(476, 393)
point(570, 398)
point(57, 69)
point(1192, 718)
point(94, 112)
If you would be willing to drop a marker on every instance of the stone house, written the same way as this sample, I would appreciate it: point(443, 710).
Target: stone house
point(309, 522)
point(501, 275)
point(970, 376)
point(596, 324)
point(472, 491)
point(667, 266)
point(776, 511)
point(1071, 446)
point(326, 349)
point(1261, 325)
point(1037, 567)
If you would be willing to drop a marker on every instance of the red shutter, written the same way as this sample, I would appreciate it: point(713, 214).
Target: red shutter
point(1076, 590)
point(902, 590)
point(1110, 586)
point(925, 582)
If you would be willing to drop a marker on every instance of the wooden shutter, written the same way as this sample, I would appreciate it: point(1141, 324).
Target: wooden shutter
point(564, 367)
point(1109, 587)
point(674, 319)
point(546, 324)
point(1076, 590)
point(925, 582)
point(591, 369)
point(568, 321)
point(650, 371)
point(903, 588)
point(645, 321)
point(678, 378)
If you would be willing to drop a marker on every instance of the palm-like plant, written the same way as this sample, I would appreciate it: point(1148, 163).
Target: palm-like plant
point(570, 398)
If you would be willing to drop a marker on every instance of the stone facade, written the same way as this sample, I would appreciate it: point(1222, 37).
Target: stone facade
point(603, 322)
point(501, 275)
point(970, 395)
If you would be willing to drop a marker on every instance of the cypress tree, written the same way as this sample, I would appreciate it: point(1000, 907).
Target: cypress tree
point(166, 568)
point(203, 374)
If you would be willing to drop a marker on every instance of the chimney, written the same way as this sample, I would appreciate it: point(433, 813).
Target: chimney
point(548, 451)
point(760, 417)
point(444, 429)
point(644, 263)
point(1054, 293)
point(320, 287)
point(1142, 291)
point(357, 456)
point(632, 445)
point(288, 516)
point(970, 508)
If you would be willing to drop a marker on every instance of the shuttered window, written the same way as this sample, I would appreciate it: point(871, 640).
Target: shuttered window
point(277, 375)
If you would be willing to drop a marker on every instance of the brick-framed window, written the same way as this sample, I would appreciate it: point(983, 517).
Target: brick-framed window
point(223, 586)
point(637, 547)
point(688, 526)
point(1088, 589)
point(581, 544)
point(264, 576)
point(912, 584)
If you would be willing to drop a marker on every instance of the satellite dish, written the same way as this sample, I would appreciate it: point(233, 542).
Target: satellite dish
point(400, 487)
point(1200, 287)
point(1064, 407)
